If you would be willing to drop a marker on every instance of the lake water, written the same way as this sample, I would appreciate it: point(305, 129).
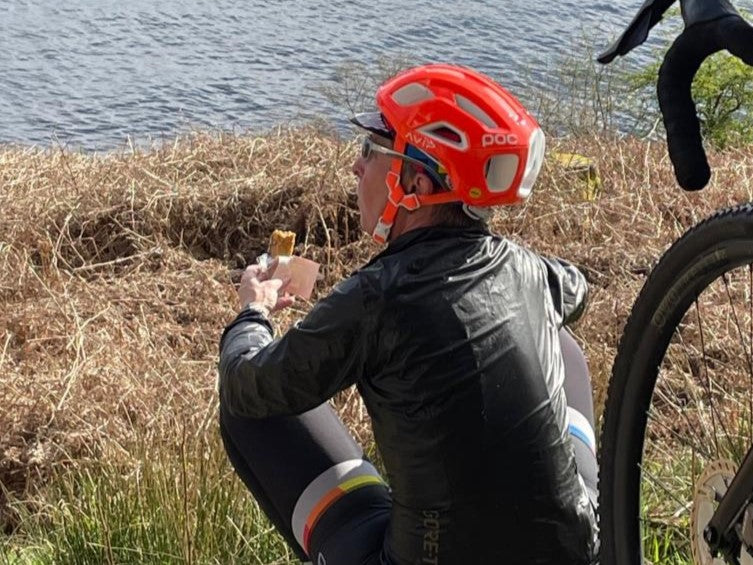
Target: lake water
point(91, 73)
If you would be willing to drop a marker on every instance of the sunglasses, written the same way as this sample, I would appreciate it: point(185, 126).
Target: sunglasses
point(369, 147)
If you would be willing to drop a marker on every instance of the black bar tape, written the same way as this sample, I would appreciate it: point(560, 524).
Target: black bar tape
point(649, 14)
point(676, 75)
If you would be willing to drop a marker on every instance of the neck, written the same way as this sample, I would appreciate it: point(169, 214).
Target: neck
point(407, 221)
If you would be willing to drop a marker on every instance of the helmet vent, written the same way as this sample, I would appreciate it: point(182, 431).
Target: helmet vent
point(475, 111)
point(500, 172)
point(446, 134)
point(411, 94)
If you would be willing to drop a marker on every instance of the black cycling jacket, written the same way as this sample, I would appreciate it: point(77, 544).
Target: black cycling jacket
point(451, 336)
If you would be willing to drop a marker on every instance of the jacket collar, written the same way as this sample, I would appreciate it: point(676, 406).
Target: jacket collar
point(431, 233)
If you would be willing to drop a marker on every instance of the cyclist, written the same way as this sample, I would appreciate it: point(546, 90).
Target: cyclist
point(453, 336)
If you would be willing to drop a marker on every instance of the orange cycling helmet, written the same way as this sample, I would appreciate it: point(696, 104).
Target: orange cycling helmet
point(479, 135)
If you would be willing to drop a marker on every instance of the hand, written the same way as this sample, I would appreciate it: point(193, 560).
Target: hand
point(261, 291)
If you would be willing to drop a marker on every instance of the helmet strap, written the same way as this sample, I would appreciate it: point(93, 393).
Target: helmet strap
point(396, 197)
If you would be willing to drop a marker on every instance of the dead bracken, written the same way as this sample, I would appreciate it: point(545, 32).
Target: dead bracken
point(115, 286)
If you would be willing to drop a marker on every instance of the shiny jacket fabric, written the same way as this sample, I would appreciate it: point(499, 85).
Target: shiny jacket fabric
point(451, 336)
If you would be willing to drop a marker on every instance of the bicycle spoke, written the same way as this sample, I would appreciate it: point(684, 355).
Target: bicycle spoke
point(659, 421)
point(689, 385)
point(686, 358)
point(659, 484)
point(714, 412)
point(694, 410)
point(737, 325)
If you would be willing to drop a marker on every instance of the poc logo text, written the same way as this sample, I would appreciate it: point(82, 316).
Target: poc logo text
point(498, 139)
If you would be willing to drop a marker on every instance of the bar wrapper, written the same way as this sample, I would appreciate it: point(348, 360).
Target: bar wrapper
point(302, 272)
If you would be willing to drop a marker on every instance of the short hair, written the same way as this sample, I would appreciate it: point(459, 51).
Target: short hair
point(450, 214)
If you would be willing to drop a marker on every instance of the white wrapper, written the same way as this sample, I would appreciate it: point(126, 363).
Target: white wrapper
point(302, 272)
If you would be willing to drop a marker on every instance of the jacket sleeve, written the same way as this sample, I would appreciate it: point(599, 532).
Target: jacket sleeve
point(260, 377)
point(569, 289)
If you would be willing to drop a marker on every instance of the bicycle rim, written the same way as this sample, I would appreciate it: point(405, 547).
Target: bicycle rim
point(680, 403)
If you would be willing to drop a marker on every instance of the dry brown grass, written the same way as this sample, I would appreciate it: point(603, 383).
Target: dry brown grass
point(114, 278)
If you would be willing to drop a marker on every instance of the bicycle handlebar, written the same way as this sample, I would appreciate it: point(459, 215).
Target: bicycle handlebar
point(710, 26)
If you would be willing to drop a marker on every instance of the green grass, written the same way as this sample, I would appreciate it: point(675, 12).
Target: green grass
point(666, 525)
point(177, 504)
point(668, 487)
point(181, 504)
point(664, 546)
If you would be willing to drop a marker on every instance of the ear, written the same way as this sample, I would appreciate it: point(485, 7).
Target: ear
point(421, 184)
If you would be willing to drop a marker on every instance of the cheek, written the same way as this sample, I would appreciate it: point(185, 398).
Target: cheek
point(372, 197)
point(361, 200)
point(377, 196)
point(362, 192)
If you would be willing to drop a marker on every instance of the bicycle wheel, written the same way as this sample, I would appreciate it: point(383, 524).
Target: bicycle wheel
point(679, 410)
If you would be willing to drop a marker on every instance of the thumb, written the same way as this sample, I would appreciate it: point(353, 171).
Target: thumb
point(276, 284)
